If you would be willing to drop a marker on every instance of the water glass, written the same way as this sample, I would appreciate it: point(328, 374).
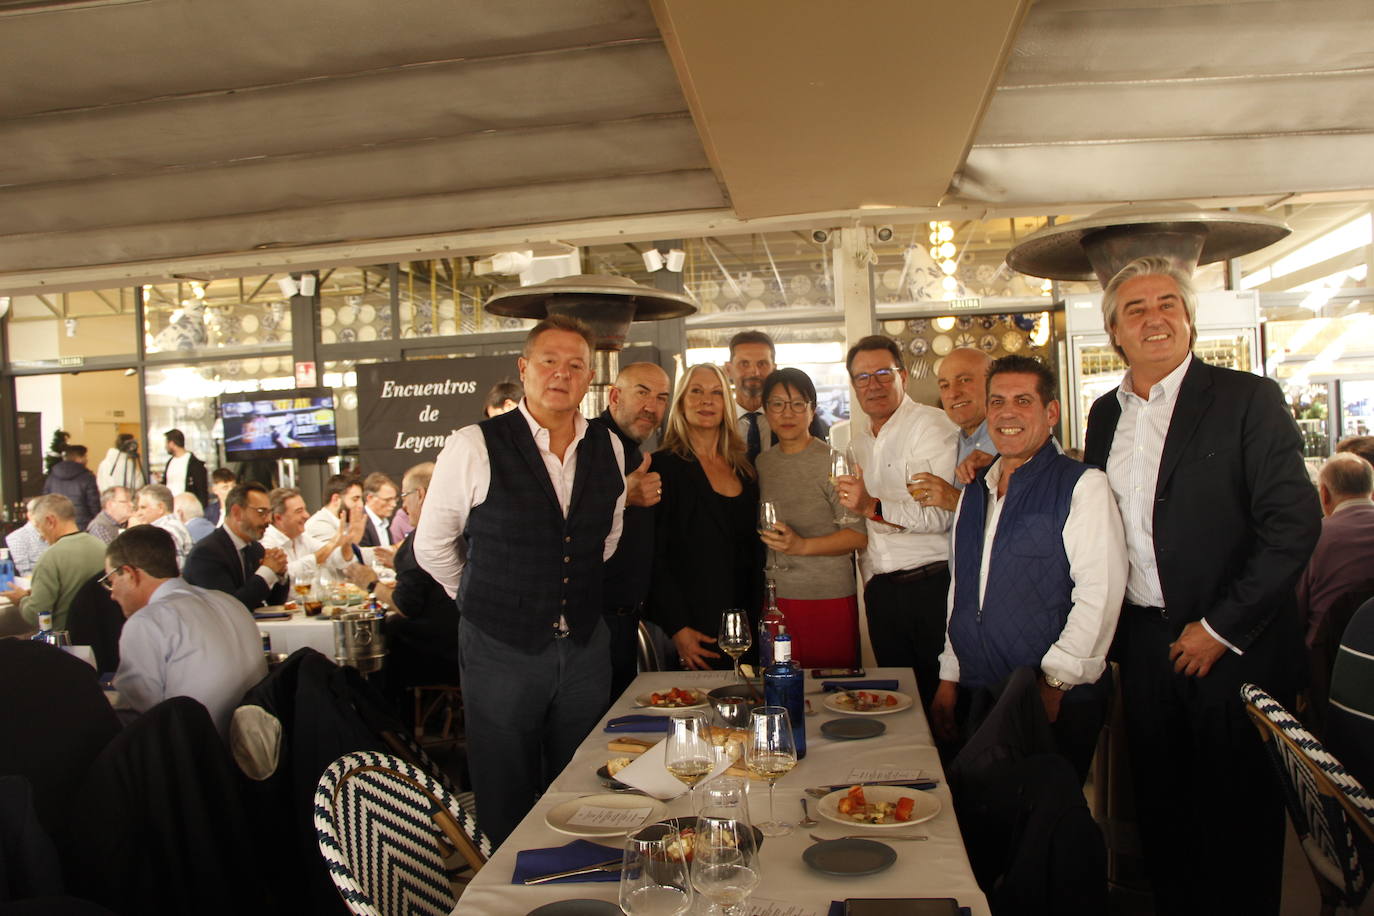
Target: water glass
point(725, 867)
point(654, 881)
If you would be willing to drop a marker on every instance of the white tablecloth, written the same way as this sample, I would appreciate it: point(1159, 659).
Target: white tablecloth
point(290, 635)
point(938, 867)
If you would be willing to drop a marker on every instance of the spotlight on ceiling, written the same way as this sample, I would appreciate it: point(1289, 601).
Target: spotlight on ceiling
point(289, 287)
point(307, 284)
point(676, 259)
point(653, 260)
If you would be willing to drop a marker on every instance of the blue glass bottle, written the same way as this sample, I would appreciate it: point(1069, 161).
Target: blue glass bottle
point(6, 570)
point(784, 683)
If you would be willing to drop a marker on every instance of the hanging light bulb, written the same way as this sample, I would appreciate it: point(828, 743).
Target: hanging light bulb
point(950, 284)
point(947, 250)
point(935, 252)
point(932, 225)
point(198, 290)
point(1040, 334)
point(946, 233)
point(935, 237)
point(949, 266)
point(947, 322)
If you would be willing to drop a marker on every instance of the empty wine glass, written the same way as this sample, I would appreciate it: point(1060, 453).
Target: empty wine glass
point(735, 637)
point(842, 465)
point(724, 797)
point(654, 878)
point(768, 524)
point(724, 864)
point(769, 752)
point(688, 753)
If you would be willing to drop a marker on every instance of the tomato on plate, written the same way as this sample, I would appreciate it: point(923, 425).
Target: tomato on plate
point(904, 806)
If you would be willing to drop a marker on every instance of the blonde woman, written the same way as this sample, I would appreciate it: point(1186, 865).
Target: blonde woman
point(707, 555)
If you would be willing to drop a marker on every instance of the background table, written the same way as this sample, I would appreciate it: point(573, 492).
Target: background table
point(938, 867)
point(300, 631)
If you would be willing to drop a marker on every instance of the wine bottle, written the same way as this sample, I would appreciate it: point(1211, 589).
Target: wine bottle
point(784, 684)
point(770, 624)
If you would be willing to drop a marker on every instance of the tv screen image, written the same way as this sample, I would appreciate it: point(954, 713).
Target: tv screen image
point(279, 424)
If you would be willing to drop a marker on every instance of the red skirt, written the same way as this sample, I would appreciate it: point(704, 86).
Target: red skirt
point(825, 631)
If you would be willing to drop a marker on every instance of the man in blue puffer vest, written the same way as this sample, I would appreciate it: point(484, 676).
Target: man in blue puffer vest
point(1038, 569)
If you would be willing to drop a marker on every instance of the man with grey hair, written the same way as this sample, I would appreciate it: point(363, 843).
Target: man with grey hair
point(116, 505)
point(1220, 517)
point(72, 558)
point(157, 507)
point(1342, 565)
point(191, 513)
point(25, 544)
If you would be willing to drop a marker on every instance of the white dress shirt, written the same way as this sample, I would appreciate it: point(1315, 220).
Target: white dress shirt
point(1133, 468)
point(914, 431)
point(189, 642)
point(301, 564)
point(742, 424)
point(1096, 548)
point(323, 525)
point(265, 573)
point(462, 476)
point(180, 534)
point(176, 473)
point(383, 528)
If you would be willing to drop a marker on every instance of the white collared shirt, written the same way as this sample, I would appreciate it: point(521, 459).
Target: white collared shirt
point(324, 525)
point(914, 431)
point(262, 572)
point(462, 477)
point(1133, 468)
point(1096, 548)
point(301, 564)
point(176, 473)
point(742, 424)
point(383, 528)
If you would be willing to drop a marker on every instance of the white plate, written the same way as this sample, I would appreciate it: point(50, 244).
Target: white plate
point(835, 703)
point(367, 314)
point(927, 806)
point(644, 698)
point(559, 815)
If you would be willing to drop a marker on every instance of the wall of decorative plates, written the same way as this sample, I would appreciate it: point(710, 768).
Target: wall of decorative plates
point(355, 305)
point(443, 297)
point(245, 314)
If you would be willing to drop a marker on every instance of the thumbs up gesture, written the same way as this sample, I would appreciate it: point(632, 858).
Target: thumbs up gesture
point(643, 487)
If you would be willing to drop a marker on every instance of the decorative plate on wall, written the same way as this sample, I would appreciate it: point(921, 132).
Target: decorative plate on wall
point(942, 344)
point(1012, 341)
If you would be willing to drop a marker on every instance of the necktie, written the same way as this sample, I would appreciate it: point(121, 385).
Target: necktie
point(245, 559)
point(755, 445)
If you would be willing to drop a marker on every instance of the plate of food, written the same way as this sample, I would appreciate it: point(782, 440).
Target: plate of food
point(686, 828)
point(604, 815)
point(878, 806)
point(867, 702)
point(673, 698)
point(607, 773)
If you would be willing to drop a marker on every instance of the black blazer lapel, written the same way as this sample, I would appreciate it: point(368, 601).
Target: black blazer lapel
point(1194, 400)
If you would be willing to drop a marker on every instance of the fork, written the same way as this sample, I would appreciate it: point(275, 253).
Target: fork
point(879, 837)
point(807, 820)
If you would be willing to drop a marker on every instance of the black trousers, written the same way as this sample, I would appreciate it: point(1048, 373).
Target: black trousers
point(623, 625)
point(906, 624)
point(1209, 804)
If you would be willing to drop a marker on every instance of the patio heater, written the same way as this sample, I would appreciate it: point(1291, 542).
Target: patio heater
point(607, 303)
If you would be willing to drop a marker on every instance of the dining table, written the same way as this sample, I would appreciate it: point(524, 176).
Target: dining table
point(937, 867)
point(298, 631)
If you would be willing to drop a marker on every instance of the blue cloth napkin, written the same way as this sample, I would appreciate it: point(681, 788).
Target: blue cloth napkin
point(835, 686)
point(531, 863)
point(837, 907)
point(633, 723)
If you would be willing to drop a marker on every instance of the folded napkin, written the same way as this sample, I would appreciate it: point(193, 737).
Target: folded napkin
point(649, 772)
point(634, 723)
point(531, 863)
point(837, 908)
point(836, 686)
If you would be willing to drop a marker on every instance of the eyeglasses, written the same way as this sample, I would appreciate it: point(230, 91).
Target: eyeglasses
point(780, 406)
point(262, 511)
point(882, 377)
point(409, 493)
point(107, 581)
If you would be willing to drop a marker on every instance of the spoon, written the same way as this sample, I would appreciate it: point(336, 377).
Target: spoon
point(807, 820)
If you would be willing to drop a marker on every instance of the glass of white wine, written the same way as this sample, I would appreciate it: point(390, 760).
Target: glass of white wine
point(915, 467)
point(735, 637)
point(770, 752)
point(768, 524)
point(688, 753)
point(724, 864)
point(654, 882)
point(842, 465)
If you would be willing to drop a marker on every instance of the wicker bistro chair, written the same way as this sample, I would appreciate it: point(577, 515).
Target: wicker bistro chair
point(387, 831)
point(1331, 812)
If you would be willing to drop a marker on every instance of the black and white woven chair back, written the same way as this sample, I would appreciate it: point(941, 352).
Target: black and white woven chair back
point(378, 821)
point(1314, 784)
point(467, 809)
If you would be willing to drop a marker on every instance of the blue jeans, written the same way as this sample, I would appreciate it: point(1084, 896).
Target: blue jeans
point(526, 713)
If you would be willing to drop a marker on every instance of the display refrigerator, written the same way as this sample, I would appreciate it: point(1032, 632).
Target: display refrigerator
point(1227, 335)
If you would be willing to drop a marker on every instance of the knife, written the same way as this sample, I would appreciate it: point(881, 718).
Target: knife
point(608, 865)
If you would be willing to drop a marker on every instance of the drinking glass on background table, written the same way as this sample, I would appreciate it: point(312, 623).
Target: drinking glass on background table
point(652, 881)
point(724, 864)
point(768, 524)
point(842, 464)
point(770, 752)
point(735, 637)
point(688, 753)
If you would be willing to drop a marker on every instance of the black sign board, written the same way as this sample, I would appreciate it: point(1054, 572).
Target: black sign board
point(30, 441)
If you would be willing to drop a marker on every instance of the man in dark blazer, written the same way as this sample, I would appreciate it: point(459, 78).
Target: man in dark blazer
point(1220, 517)
point(231, 559)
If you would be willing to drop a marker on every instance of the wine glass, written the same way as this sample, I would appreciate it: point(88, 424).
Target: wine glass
point(915, 467)
point(768, 524)
point(735, 636)
point(654, 881)
point(842, 465)
point(769, 752)
point(724, 863)
point(688, 754)
point(724, 797)
point(302, 587)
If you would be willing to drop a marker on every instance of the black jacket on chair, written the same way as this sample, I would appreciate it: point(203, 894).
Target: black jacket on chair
point(95, 620)
point(214, 563)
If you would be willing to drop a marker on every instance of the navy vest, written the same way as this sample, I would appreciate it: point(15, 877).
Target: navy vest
point(1029, 590)
point(526, 564)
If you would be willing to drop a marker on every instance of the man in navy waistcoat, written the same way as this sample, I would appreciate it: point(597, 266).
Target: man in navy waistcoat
point(523, 510)
point(1038, 571)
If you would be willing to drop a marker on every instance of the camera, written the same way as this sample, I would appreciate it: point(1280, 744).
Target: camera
point(820, 236)
point(883, 233)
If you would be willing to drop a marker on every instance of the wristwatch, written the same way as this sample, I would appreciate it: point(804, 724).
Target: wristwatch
point(1052, 681)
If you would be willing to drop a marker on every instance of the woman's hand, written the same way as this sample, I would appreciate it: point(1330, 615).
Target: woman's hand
point(784, 540)
point(691, 649)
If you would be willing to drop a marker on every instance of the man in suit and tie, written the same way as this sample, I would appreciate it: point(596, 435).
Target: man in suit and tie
point(753, 357)
point(1220, 517)
point(231, 559)
point(379, 502)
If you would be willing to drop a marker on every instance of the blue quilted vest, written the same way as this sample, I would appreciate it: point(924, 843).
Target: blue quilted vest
point(1029, 588)
point(526, 563)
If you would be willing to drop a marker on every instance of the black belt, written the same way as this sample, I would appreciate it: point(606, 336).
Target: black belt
point(624, 610)
point(1159, 612)
point(904, 576)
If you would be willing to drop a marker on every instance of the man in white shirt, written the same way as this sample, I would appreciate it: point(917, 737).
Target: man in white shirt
point(522, 512)
point(185, 473)
point(343, 494)
point(304, 555)
point(156, 506)
point(963, 383)
point(178, 640)
point(906, 564)
point(1038, 570)
point(751, 360)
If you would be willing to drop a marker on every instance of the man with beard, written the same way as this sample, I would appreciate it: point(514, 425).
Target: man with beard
point(638, 401)
point(231, 559)
point(753, 357)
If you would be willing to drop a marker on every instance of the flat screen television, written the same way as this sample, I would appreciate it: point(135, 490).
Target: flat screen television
point(298, 423)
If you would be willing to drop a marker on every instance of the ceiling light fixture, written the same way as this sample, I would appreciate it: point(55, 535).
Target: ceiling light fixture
point(653, 260)
point(288, 286)
point(307, 284)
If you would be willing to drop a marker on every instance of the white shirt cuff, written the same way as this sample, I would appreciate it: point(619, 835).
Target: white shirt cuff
point(266, 575)
point(1219, 638)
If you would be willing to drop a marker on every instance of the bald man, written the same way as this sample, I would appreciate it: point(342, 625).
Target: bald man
point(963, 381)
point(1343, 560)
point(638, 401)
